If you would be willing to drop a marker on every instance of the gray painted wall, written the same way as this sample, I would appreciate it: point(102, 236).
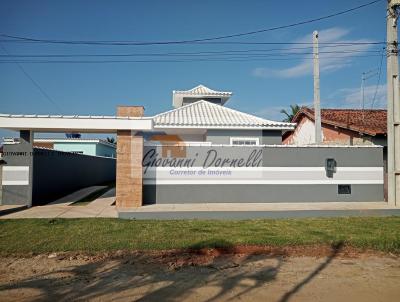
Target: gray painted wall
point(53, 174)
point(250, 193)
point(19, 155)
point(271, 137)
point(279, 156)
point(266, 137)
point(57, 173)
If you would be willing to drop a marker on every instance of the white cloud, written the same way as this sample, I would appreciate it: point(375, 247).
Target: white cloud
point(351, 97)
point(342, 98)
point(261, 72)
point(329, 62)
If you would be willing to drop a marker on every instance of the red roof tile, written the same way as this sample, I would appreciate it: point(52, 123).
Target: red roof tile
point(372, 122)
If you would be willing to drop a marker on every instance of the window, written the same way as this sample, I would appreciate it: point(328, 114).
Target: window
point(245, 141)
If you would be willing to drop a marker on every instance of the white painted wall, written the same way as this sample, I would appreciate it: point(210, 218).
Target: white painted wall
point(305, 133)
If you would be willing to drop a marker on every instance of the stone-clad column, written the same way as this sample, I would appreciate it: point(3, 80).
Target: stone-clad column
point(129, 182)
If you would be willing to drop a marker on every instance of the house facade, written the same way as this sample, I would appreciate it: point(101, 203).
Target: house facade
point(339, 127)
point(200, 116)
point(94, 147)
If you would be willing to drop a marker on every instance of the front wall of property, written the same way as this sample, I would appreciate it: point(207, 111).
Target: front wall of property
point(56, 174)
point(32, 176)
point(256, 193)
point(265, 174)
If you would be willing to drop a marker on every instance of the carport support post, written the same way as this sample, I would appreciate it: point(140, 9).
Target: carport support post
point(129, 182)
point(26, 144)
point(17, 156)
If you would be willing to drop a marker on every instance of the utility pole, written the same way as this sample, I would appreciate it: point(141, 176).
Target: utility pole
point(317, 102)
point(393, 105)
point(365, 76)
point(362, 91)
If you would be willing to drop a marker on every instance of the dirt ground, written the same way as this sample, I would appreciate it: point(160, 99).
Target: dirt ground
point(239, 274)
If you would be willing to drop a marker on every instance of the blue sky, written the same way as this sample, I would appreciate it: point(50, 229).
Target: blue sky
point(260, 87)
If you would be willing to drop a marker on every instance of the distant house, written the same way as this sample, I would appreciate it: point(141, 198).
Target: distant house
point(339, 126)
point(96, 147)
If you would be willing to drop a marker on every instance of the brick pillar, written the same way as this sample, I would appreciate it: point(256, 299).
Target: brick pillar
point(129, 183)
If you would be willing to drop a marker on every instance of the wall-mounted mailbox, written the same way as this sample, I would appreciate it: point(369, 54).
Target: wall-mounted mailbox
point(330, 167)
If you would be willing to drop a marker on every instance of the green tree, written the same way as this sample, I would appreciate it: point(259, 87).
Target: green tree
point(111, 140)
point(291, 113)
point(73, 135)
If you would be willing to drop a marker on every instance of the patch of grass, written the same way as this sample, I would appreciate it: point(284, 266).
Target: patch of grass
point(102, 234)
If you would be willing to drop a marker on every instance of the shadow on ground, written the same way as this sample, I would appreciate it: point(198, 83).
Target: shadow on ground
point(202, 274)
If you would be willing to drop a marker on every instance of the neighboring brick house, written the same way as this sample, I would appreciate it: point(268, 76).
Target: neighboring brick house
point(339, 126)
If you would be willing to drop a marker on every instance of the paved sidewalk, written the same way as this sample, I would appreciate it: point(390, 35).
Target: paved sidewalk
point(258, 210)
point(101, 207)
point(278, 206)
point(8, 209)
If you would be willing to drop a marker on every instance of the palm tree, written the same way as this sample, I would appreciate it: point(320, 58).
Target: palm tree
point(73, 135)
point(111, 140)
point(290, 115)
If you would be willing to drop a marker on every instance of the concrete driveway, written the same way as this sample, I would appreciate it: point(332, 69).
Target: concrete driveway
point(101, 207)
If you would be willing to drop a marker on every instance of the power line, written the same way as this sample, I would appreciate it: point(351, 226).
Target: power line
point(231, 59)
point(33, 81)
point(127, 43)
point(142, 43)
point(287, 43)
point(172, 54)
point(212, 52)
point(379, 79)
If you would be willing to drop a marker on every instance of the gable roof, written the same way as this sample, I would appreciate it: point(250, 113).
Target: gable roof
point(203, 114)
point(203, 91)
point(371, 122)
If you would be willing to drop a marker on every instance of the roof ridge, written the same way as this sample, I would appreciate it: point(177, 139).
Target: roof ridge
point(199, 86)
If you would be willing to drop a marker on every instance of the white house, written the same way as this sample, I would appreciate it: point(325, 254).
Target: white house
point(200, 115)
